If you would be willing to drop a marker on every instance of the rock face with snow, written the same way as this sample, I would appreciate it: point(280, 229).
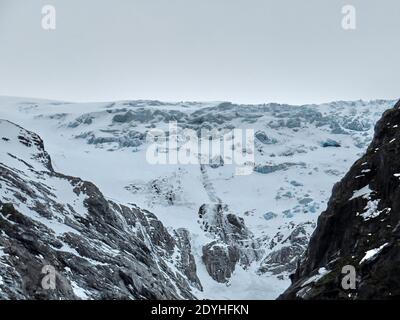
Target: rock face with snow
point(97, 248)
point(233, 243)
point(360, 228)
point(285, 258)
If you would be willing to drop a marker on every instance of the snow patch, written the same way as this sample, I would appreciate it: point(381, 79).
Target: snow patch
point(79, 292)
point(372, 210)
point(364, 192)
point(370, 254)
point(315, 278)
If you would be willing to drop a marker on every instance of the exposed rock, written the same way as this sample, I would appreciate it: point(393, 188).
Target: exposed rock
point(187, 263)
point(234, 242)
point(98, 249)
point(220, 260)
point(286, 257)
point(360, 227)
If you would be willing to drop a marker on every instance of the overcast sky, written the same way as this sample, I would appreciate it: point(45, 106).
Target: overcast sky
point(249, 51)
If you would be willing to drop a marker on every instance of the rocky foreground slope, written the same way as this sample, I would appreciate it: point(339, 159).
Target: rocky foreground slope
point(98, 249)
point(360, 228)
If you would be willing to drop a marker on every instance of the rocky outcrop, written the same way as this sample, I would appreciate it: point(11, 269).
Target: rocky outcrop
point(220, 260)
point(360, 230)
point(59, 227)
point(233, 243)
point(287, 251)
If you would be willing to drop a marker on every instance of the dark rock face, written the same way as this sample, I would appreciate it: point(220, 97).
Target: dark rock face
point(220, 260)
point(187, 263)
point(95, 248)
point(360, 228)
point(233, 242)
point(285, 259)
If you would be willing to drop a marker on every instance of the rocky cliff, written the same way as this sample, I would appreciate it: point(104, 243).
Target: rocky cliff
point(59, 227)
point(359, 233)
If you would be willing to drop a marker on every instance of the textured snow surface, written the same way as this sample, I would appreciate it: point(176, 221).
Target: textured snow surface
point(300, 152)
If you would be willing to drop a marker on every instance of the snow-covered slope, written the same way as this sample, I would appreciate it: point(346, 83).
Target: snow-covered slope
point(246, 231)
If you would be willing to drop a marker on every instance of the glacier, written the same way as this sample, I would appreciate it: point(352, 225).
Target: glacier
point(244, 233)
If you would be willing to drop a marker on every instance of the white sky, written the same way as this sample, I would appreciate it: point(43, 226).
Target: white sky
point(248, 51)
